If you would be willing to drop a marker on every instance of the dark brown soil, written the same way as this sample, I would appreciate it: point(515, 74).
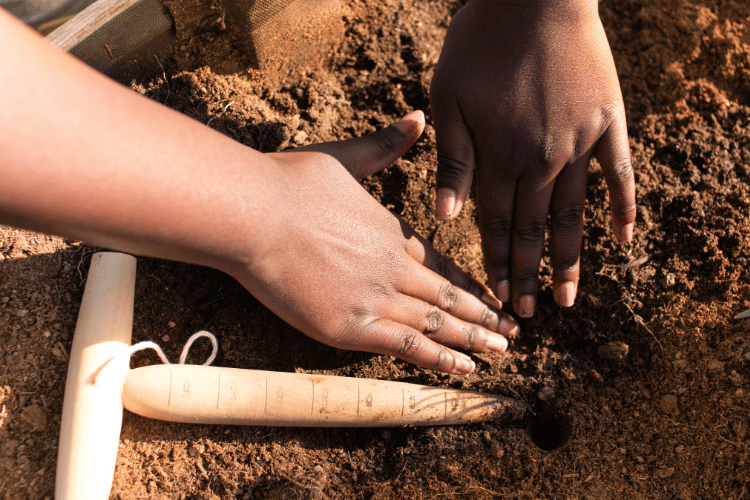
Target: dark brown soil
point(639, 391)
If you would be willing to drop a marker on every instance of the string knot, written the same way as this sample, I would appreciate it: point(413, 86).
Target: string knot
point(141, 346)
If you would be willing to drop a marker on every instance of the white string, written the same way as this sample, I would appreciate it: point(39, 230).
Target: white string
point(97, 379)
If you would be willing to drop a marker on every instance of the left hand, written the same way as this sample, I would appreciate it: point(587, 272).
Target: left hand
point(528, 92)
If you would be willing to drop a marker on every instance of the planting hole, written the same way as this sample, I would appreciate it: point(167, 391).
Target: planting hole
point(550, 432)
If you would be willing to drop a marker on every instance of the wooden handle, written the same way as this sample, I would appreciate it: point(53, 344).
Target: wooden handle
point(214, 395)
point(92, 416)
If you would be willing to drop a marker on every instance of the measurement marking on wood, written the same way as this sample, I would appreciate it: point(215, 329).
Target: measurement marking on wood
point(403, 401)
point(218, 392)
point(169, 400)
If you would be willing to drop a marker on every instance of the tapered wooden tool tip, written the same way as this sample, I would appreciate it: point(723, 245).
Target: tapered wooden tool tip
point(216, 395)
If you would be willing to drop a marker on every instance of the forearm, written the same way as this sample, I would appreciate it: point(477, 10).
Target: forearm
point(85, 158)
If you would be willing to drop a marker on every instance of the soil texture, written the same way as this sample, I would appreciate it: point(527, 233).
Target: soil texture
point(639, 391)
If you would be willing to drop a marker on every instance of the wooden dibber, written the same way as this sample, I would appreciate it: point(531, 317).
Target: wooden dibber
point(92, 416)
point(215, 395)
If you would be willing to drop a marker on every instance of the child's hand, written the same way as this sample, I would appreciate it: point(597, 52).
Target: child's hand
point(346, 271)
point(529, 94)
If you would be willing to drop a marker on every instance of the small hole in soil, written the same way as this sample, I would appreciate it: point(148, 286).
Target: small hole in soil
point(550, 432)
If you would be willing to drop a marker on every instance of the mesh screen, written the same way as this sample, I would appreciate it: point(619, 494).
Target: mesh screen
point(286, 32)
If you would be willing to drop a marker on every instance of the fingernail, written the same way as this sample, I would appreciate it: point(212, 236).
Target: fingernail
point(491, 300)
point(464, 366)
point(526, 306)
point(497, 343)
point(403, 125)
point(626, 233)
point(509, 327)
point(503, 291)
point(565, 293)
point(445, 204)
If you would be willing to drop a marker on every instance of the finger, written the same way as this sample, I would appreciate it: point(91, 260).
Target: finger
point(396, 339)
point(613, 153)
point(496, 200)
point(455, 150)
point(566, 218)
point(372, 153)
point(532, 207)
point(444, 328)
point(439, 282)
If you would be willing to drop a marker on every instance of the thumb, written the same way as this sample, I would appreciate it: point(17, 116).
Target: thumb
point(372, 153)
point(455, 149)
point(613, 153)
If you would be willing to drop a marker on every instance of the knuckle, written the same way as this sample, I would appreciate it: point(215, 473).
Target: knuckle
point(489, 318)
point(567, 218)
point(527, 279)
point(440, 357)
point(451, 167)
point(498, 226)
point(386, 140)
point(409, 343)
point(471, 337)
point(448, 295)
point(433, 321)
point(531, 231)
point(500, 263)
point(622, 168)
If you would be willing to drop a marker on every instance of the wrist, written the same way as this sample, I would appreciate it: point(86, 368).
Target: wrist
point(538, 11)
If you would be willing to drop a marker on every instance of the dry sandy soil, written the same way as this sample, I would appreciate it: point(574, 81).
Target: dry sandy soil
point(639, 391)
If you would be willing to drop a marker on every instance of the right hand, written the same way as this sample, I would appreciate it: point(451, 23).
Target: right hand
point(344, 270)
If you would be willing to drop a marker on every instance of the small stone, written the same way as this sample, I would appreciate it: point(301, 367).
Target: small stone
point(546, 393)
point(613, 351)
point(624, 470)
point(22, 312)
point(623, 451)
point(165, 338)
point(682, 390)
point(664, 473)
point(740, 393)
point(715, 366)
point(669, 404)
point(667, 280)
point(679, 449)
point(680, 364)
point(35, 416)
point(47, 334)
point(300, 137)
point(496, 450)
point(640, 460)
point(196, 450)
point(171, 324)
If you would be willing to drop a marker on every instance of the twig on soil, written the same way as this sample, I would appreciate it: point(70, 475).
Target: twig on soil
point(640, 321)
point(637, 262)
point(220, 114)
point(522, 400)
point(454, 493)
point(400, 472)
point(742, 493)
point(164, 74)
